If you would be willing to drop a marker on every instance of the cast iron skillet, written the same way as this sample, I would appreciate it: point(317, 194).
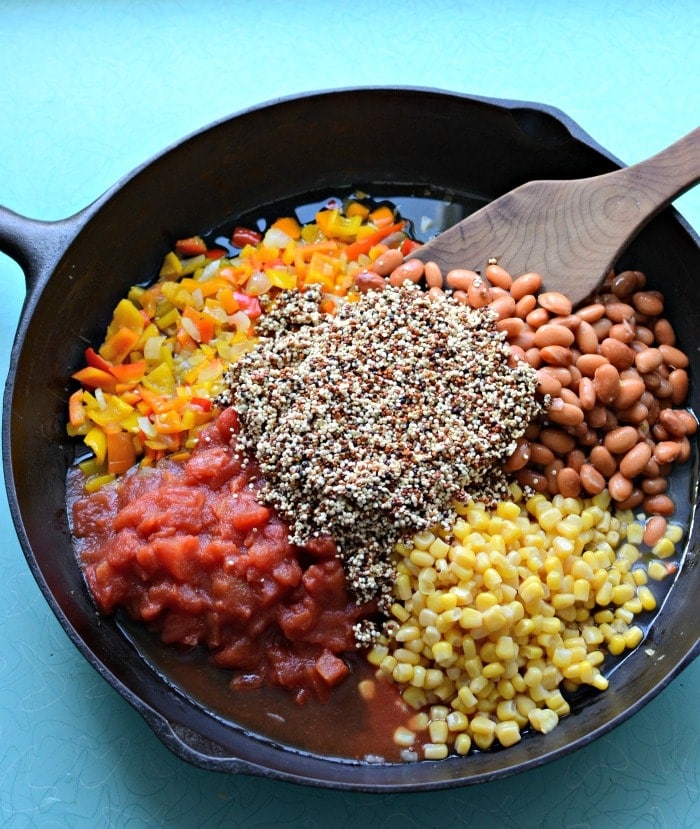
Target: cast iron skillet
point(77, 269)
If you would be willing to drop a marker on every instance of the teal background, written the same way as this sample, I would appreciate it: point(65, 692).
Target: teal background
point(88, 91)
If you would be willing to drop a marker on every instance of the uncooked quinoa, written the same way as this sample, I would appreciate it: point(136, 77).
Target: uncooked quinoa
point(369, 422)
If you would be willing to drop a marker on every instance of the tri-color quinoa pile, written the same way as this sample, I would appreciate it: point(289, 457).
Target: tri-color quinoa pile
point(368, 423)
point(489, 464)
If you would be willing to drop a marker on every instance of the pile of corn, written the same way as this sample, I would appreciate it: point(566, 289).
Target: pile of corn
point(147, 390)
point(514, 605)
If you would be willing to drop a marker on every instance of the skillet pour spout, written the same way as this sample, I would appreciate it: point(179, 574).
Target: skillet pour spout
point(422, 140)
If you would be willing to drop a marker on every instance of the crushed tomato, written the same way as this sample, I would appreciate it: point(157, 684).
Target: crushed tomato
point(188, 548)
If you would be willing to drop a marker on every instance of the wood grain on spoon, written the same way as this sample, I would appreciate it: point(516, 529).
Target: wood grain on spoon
point(571, 232)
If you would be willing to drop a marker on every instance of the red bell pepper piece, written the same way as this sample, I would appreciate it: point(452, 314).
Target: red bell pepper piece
point(92, 358)
point(243, 236)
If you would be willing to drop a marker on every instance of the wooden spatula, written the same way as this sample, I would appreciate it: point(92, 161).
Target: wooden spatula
point(571, 232)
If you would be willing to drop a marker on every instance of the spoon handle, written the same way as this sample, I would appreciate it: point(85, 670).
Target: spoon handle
point(633, 195)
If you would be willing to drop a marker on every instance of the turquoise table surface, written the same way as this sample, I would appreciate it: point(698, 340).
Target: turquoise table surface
point(90, 90)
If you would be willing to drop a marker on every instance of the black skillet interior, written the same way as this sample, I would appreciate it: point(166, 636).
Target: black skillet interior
point(318, 144)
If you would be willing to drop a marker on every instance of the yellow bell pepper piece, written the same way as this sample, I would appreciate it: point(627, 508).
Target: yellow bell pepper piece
point(97, 441)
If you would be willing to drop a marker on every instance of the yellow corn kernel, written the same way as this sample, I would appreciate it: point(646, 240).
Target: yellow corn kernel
point(600, 682)
point(604, 594)
point(494, 618)
point(664, 548)
point(404, 737)
point(467, 698)
point(388, 664)
point(633, 636)
point(439, 548)
point(508, 733)
point(438, 731)
point(622, 593)
point(402, 673)
point(674, 533)
point(435, 751)
point(543, 720)
point(549, 518)
point(556, 702)
point(421, 558)
point(647, 598)
point(657, 570)
point(462, 744)
point(434, 677)
point(402, 587)
point(423, 540)
point(616, 644)
point(443, 653)
point(414, 697)
point(405, 655)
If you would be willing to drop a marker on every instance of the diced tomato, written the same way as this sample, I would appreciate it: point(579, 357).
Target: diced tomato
point(243, 236)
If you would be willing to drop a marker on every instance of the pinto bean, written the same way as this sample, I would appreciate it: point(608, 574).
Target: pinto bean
point(619, 354)
point(586, 338)
point(667, 451)
point(659, 505)
point(654, 530)
point(564, 414)
point(525, 305)
point(559, 441)
point(622, 331)
point(678, 379)
point(673, 356)
point(673, 422)
point(520, 456)
point(586, 393)
point(592, 313)
point(619, 487)
point(649, 359)
point(619, 441)
point(629, 392)
point(369, 281)
point(597, 417)
point(460, 279)
point(633, 500)
point(503, 306)
point(527, 283)
point(591, 479)
point(530, 478)
point(569, 482)
point(479, 293)
point(664, 333)
point(619, 311)
point(540, 454)
point(588, 363)
point(606, 382)
point(650, 303)
point(411, 270)
point(499, 277)
point(654, 486)
point(387, 262)
point(602, 328)
point(634, 461)
point(433, 275)
point(537, 317)
point(557, 355)
point(553, 334)
point(511, 325)
point(555, 302)
point(624, 284)
point(603, 461)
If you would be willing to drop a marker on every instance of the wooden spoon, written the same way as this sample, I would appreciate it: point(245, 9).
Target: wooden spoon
point(570, 232)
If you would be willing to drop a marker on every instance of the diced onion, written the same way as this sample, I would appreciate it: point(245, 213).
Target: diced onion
point(276, 238)
point(240, 320)
point(100, 397)
point(259, 283)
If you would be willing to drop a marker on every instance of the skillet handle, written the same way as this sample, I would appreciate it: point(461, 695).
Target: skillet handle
point(36, 245)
